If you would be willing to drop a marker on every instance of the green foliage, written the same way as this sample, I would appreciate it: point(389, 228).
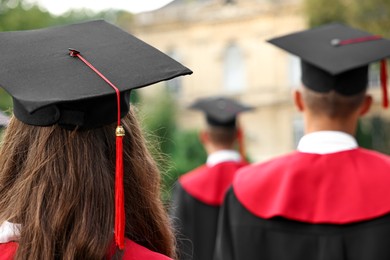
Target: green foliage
point(159, 120)
point(372, 15)
point(324, 11)
point(374, 133)
point(5, 101)
point(187, 155)
point(175, 150)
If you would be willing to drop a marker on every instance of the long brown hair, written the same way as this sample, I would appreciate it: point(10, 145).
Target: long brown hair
point(58, 184)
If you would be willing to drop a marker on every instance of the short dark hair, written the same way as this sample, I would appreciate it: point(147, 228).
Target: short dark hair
point(224, 136)
point(332, 104)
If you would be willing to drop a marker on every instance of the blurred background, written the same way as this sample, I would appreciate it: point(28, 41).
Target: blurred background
point(224, 43)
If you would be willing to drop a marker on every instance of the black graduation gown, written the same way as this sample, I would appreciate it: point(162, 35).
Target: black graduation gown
point(244, 236)
point(196, 202)
point(310, 207)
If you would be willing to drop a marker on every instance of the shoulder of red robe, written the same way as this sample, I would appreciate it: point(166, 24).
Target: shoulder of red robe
point(134, 251)
point(8, 250)
point(209, 184)
point(337, 188)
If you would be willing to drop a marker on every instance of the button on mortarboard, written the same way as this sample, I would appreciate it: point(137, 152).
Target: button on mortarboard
point(335, 56)
point(220, 111)
point(50, 87)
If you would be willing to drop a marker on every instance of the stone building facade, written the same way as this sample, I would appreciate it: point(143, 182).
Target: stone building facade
point(224, 43)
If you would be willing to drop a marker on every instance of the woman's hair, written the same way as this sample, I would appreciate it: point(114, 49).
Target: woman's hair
point(59, 185)
point(332, 104)
point(222, 136)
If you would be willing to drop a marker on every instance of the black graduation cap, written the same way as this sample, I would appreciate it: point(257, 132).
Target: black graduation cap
point(220, 111)
point(335, 56)
point(49, 86)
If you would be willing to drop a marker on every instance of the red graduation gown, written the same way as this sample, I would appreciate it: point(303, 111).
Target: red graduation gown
point(308, 206)
point(133, 251)
point(196, 201)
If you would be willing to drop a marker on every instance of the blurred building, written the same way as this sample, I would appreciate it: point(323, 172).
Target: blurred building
point(4, 120)
point(224, 43)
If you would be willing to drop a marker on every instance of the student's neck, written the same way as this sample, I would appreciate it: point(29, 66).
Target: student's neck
point(212, 149)
point(326, 124)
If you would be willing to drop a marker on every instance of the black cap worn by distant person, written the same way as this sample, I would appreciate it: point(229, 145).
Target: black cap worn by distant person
point(223, 112)
point(80, 76)
point(336, 57)
point(220, 111)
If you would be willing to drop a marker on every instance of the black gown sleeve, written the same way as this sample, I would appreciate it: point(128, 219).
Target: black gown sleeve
point(182, 219)
point(224, 249)
point(196, 225)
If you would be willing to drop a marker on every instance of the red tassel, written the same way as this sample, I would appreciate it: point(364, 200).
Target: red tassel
point(119, 228)
point(385, 100)
point(241, 146)
point(119, 192)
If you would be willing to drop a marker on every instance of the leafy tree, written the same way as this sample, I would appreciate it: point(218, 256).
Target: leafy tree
point(175, 150)
point(324, 11)
point(372, 15)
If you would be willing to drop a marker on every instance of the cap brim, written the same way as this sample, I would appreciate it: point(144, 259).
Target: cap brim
point(315, 47)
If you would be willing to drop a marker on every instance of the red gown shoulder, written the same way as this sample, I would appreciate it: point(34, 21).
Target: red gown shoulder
point(337, 188)
point(209, 184)
point(7, 250)
point(133, 251)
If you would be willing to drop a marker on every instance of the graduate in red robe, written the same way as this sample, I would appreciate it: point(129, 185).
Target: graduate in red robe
point(198, 194)
point(330, 199)
point(76, 178)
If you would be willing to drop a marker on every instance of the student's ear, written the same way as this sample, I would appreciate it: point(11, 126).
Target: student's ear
point(366, 105)
point(203, 136)
point(298, 100)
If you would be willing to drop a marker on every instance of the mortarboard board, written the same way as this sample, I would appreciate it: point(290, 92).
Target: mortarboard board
point(81, 76)
point(220, 111)
point(4, 119)
point(49, 87)
point(335, 56)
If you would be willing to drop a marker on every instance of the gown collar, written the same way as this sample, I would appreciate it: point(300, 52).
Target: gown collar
point(325, 142)
point(9, 232)
point(223, 156)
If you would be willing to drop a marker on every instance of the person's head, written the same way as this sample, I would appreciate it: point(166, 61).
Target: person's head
point(216, 138)
point(332, 110)
point(334, 63)
point(74, 169)
point(59, 185)
point(222, 130)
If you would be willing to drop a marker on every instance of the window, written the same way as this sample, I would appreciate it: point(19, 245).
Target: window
point(298, 129)
point(374, 75)
point(175, 85)
point(234, 69)
point(294, 71)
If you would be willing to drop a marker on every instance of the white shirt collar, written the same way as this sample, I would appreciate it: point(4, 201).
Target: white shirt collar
point(9, 232)
point(223, 156)
point(324, 142)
